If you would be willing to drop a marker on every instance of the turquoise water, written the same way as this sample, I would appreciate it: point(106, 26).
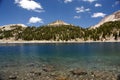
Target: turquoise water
point(102, 56)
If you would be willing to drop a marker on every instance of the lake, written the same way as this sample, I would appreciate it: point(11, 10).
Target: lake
point(66, 56)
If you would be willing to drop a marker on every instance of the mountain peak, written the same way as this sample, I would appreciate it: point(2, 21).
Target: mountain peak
point(58, 23)
point(113, 17)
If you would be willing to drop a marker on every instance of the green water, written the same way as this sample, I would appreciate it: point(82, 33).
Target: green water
point(102, 56)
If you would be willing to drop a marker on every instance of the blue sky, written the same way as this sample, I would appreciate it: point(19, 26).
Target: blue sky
point(84, 13)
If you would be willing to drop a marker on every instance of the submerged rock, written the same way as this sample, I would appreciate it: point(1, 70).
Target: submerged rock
point(48, 68)
point(12, 77)
point(37, 73)
point(1, 78)
point(78, 72)
point(31, 65)
point(61, 78)
point(118, 77)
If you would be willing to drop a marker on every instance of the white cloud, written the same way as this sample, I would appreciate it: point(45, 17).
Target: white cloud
point(116, 3)
point(98, 5)
point(81, 9)
point(30, 5)
point(90, 1)
point(87, 9)
point(67, 1)
point(98, 14)
point(77, 17)
point(35, 20)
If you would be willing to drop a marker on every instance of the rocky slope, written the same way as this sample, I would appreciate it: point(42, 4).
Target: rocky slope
point(11, 26)
point(113, 17)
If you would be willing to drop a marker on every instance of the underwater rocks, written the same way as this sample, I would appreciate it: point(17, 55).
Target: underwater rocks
point(73, 75)
point(51, 72)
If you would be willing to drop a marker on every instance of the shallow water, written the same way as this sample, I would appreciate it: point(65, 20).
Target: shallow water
point(101, 56)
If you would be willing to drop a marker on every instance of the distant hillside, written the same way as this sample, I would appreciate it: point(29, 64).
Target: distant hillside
point(11, 31)
point(107, 31)
point(113, 17)
point(12, 26)
point(64, 33)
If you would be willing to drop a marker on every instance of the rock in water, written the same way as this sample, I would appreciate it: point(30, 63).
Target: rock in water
point(12, 77)
point(118, 77)
point(78, 72)
point(48, 68)
point(37, 73)
point(61, 78)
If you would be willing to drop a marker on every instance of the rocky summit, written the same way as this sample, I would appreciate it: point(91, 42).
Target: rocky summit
point(58, 23)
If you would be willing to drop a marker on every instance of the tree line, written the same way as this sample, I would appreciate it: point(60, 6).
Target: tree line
point(64, 32)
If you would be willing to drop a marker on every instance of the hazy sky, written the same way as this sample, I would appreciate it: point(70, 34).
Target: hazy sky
point(83, 13)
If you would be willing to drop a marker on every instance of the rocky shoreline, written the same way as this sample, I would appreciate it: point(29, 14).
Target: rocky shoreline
point(44, 41)
point(50, 72)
